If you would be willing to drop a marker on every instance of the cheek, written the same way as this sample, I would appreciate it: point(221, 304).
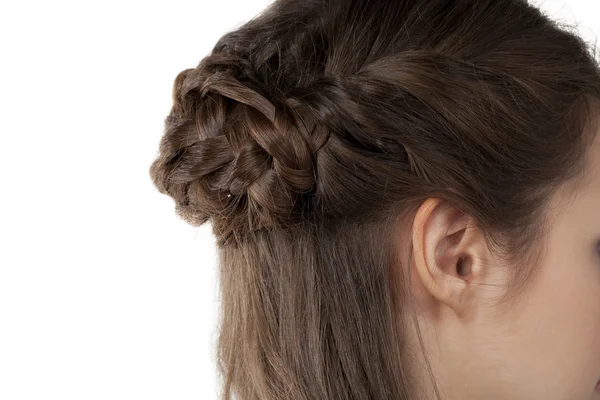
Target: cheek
point(584, 309)
point(551, 341)
point(567, 327)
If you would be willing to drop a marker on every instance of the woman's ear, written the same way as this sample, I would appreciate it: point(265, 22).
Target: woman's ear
point(449, 254)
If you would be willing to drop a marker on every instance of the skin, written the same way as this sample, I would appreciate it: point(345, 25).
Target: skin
point(544, 343)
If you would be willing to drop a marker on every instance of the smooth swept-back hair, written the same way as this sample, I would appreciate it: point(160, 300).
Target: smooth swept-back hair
point(307, 134)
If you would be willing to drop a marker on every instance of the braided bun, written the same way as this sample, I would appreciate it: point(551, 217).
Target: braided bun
point(235, 155)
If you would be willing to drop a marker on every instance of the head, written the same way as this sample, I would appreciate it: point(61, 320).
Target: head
point(405, 197)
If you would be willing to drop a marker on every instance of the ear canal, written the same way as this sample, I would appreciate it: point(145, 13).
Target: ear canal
point(463, 266)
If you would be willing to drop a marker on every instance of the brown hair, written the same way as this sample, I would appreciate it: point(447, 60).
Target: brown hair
point(311, 129)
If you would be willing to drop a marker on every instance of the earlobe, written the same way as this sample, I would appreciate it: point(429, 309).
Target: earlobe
point(444, 253)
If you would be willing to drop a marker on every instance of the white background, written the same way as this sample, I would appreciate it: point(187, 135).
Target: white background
point(104, 292)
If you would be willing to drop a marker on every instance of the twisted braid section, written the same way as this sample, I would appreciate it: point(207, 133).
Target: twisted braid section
point(236, 154)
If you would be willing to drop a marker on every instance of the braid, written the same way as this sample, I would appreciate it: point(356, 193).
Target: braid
point(232, 154)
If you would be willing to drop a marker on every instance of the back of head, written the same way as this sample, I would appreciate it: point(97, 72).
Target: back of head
point(311, 129)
